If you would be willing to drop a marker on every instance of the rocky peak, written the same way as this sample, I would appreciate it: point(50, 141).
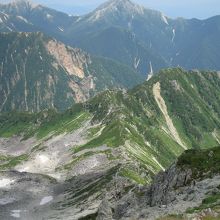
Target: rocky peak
point(125, 7)
point(120, 4)
point(23, 3)
point(18, 7)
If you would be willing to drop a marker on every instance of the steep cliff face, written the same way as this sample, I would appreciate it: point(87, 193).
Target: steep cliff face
point(37, 72)
point(189, 189)
point(72, 60)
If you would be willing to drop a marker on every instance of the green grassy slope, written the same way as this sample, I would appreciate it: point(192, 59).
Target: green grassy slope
point(133, 121)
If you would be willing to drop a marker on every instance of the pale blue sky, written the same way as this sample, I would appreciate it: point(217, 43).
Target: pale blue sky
point(173, 8)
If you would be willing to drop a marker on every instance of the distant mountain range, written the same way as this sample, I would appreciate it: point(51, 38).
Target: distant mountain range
point(126, 32)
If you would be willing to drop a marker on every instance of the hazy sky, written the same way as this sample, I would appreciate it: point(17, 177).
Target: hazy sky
point(172, 8)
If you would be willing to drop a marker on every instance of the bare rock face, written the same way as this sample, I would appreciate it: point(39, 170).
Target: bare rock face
point(171, 192)
point(104, 212)
point(72, 60)
point(161, 191)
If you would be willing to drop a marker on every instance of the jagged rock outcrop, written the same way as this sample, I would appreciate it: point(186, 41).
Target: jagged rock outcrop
point(104, 212)
point(185, 188)
point(161, 191)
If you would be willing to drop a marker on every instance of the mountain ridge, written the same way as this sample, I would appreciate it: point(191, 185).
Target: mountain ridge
point(188, 189)
point(115, 142)
point(39, 72)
